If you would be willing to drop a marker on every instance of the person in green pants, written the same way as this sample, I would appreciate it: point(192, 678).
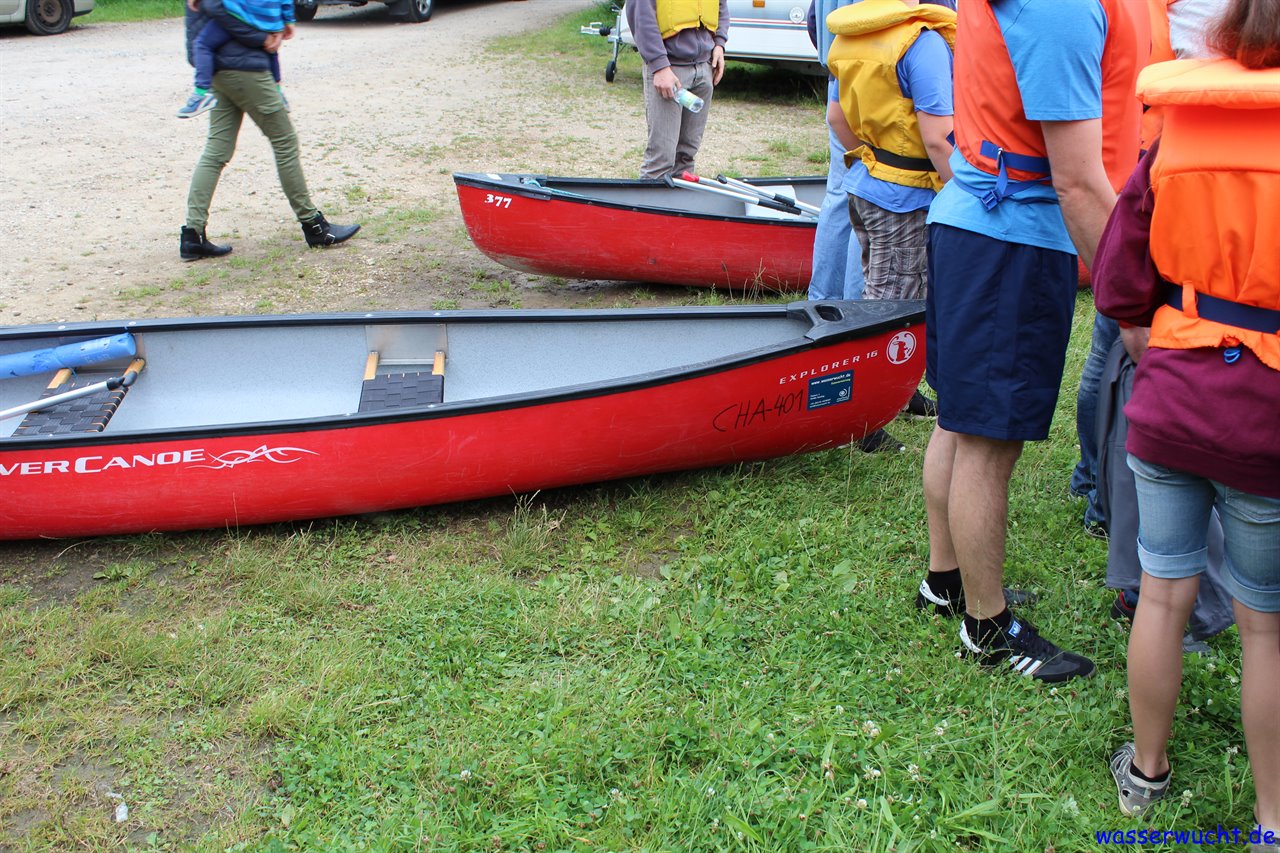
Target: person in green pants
point(244, 86)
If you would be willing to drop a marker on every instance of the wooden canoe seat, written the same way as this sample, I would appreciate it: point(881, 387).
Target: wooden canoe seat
point(387, 388)
point(90, 413)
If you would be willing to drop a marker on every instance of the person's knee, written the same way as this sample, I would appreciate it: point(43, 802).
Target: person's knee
point(1168, 591)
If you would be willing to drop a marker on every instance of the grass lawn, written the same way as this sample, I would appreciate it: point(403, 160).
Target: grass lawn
point(726, 659)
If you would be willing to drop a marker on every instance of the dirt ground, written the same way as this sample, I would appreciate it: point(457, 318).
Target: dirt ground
point(94, 165)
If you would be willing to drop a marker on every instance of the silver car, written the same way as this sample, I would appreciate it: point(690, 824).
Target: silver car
point(770, 32)
point(43, 17)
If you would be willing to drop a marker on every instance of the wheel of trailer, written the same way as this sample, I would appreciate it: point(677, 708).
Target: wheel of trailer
point(49, 17)
point(419, 10)
point(610, 71)
point(305, 11)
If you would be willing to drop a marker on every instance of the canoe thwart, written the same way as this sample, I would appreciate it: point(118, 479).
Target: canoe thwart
point(371, 366)
point(437, 364)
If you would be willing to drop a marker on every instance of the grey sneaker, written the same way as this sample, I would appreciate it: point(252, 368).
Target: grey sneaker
point(1136, 795)
point(1263, 839)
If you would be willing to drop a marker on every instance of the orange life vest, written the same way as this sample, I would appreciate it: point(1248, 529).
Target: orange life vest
point(992, 131)
point(1215, 228)
point(1161, 51)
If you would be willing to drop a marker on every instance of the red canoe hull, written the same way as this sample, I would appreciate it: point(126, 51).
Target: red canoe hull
point(756, 410)
point(554, 235)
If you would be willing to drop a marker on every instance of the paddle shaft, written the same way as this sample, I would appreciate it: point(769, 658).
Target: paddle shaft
point(123, 381)
point(749, 199)
point(781, 199)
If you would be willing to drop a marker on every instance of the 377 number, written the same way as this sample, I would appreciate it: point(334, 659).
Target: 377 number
point(499, 200)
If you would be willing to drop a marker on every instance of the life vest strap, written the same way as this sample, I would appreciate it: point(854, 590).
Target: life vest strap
point(1252, 317)
point(897, 161)
point(1005, 188)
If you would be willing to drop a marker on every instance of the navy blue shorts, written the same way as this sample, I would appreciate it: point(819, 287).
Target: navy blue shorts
point(998, 317)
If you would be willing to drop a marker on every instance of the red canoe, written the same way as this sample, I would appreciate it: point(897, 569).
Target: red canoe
point(643, 230)
point(231, 421)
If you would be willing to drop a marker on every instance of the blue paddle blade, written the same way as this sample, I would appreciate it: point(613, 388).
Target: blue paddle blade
point(67, 355)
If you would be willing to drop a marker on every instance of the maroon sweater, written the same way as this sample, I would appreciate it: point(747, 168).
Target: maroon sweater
point(1190, 410)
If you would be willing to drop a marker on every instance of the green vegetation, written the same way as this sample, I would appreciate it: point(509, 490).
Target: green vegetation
point(714, 660)
point(725, 659)
point(107, 11)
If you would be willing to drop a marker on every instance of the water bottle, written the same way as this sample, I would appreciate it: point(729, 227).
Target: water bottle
point(688, 100)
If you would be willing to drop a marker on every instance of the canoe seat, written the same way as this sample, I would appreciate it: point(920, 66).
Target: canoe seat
point(401, 390)
point(83, 414)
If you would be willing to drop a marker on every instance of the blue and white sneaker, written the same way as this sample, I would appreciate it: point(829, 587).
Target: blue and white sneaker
point(1021, 647)
point(198, 104)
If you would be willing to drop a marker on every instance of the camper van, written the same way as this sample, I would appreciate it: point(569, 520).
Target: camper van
point(767, 31)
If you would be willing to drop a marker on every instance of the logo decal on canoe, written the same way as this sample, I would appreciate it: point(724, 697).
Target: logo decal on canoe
point(829, 390)
point(189, 458)
point(278, 455)
point(901, 347)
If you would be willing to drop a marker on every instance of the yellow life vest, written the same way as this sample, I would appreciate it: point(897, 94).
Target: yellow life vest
point(871, 37)
point(677, 15)
point(1217, 204)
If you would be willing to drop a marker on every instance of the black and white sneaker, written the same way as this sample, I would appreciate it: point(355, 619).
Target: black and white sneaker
point(926, 598)
point(1022, 648)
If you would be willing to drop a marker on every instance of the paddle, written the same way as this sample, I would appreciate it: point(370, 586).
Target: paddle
point(68, 355)
point(748, 199)
point(781, 199)
point(123, 381)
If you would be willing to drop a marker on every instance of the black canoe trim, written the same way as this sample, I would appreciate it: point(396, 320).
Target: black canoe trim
point(830, 325)
point(482, 181)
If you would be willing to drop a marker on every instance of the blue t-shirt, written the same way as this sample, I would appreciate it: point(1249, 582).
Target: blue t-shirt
point(924, 76)
point(1056, 49)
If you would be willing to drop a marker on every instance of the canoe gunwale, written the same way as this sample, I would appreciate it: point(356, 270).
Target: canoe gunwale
point(482, 181)
point(823, 332)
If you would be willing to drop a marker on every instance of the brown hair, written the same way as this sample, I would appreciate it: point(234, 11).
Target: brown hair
point(1249, 32)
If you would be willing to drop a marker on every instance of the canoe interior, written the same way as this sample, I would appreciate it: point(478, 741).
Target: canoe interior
point(649, 194)
point(264, 373)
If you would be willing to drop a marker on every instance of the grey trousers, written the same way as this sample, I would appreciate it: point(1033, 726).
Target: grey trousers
point(675, 133)
point(253, 93)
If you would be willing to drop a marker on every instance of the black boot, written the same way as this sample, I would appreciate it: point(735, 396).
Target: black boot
point(319, 232)
point(193, 246)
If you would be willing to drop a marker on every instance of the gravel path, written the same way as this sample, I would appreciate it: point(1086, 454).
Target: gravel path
point(95, 167)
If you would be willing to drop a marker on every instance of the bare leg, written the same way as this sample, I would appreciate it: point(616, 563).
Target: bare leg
point(1259, 698)
point(1155, 666)
point(978, 513)
point(939, 458)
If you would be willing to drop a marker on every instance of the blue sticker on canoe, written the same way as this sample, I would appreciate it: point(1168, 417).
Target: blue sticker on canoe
point(829, 390)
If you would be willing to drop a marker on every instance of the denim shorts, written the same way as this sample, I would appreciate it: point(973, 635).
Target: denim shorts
point(998, 317)
point(1173, 524)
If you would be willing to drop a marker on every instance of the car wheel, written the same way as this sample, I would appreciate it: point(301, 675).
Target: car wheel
point(304, 12)
point(49, 17)
point(419, 10)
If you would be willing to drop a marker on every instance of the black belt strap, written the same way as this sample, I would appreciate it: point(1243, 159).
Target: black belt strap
point(897, 161)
